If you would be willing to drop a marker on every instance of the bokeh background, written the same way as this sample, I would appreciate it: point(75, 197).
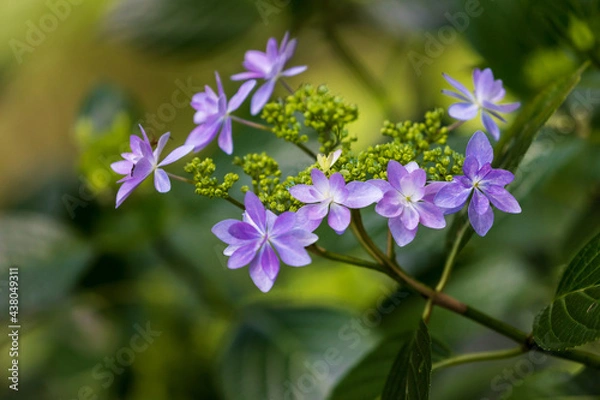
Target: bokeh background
point(76, 77)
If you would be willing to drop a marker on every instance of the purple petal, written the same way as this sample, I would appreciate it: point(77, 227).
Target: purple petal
point(498, 177)
point(225, 139)
point(304, 222)
point(430, 215)
point(456, 95)
point(463, 111)
point(257, 61)
point(202, 135)
point(306, 193)
point(503, 108)
point(303, 237)
point(246, 75)
point(432, 189)
point(237, 99)
point(243, 255)
point(459, 86)
point(484, 83)
point(413, 185)
point(255, 211)
point(145, 137)
point(176, 154)
point(412, 166)
point(381, 184)
point(395, 173)
point(244, 231)
point(339, 218)
point(135, 142)
point(283, 224)
point(410, 217)
point(122, 167)
point(502, 199)
point(471, 167)
point(490, 125)
point(337, 188)
point(361, 194)
point(319, 181)
point(219, 85)
point(316, 211)
point(126, 189)
point(390, 206)
point(481, 222)
point(401, 235)
point(264, 268)
point(272, 49)
point(162, 142)
point(479, 147)
point(221, 230)
point(261, 96)
point(479, 203)
point(161, 181)
point(291, 252)
point(294, 70)
point(452, 195)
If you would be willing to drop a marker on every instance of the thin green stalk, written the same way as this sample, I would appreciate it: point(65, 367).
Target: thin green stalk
point(316, 249)
point(308, 151)
point(498, 326)
point(181, 178)
point(235, 202)
point(447, 271)
point(478, 357)
point(391, 246)
point(286, 86)
point(582, 357)
point(250, 123)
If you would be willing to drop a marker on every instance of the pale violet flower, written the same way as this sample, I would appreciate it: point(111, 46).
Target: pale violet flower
point(261, 239)
point(269, 66)
point(485, 183)
point(485, 98)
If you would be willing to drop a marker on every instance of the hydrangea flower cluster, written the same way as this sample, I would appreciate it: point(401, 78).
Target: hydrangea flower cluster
point(413, 179)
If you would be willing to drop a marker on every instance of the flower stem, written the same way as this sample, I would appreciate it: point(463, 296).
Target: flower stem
point(455, 125)
point(181, 178)
point(316, 249)
point(480, 356)
point(235, 202)
point(391, 249)
point(308, 151)
point(286, 86)
point(250, 123)
point(447, 271)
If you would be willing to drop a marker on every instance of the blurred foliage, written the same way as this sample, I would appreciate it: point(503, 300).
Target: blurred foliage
point(91, 276)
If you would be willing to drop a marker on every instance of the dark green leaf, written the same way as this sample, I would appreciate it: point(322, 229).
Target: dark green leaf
point(573, 318)
point(410, 375)
point(49, 258)
point(291, 352)
point(367, 378)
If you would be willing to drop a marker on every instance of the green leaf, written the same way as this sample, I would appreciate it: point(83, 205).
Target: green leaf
point(573, 318)
point(515, 142)
point(49, 258)
point(410, 375)
point(556, 384)
point(367, 378)
point(291, 352)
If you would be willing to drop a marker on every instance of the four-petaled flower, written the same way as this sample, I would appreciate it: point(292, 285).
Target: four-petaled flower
point(333, 195)
point(486, 184)
point(404, 202)
point(212, 115)
point(488, 92)
point(142, 161)
point(268, 66)
point(255, 239)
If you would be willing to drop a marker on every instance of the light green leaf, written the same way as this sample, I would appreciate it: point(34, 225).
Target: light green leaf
point(573, 318)
point(291, 352)
point(410, 376)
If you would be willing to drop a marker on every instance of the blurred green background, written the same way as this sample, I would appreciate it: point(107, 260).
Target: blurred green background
point(76, 77)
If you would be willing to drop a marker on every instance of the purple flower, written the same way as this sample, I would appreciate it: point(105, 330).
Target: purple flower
point(212, 116)
point(268, 66)
point(486, 184)
point(488, 92)
point(333, 196)
point(404, 202)
point(255, 239)
point(142, 161)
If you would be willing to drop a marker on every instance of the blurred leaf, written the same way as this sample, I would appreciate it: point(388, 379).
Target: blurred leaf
point(291, 352)
point(554, 384)
point(367, 378)
point(50, 259)
point(573, 318)
point(410, 376)
point(182, 26)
